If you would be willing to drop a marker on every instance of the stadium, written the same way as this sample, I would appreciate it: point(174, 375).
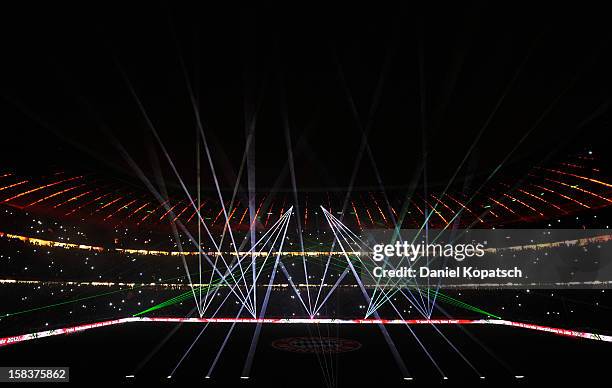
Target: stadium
point(275, 196)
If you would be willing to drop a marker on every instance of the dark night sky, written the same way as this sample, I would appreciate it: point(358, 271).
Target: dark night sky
point(437, 71)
